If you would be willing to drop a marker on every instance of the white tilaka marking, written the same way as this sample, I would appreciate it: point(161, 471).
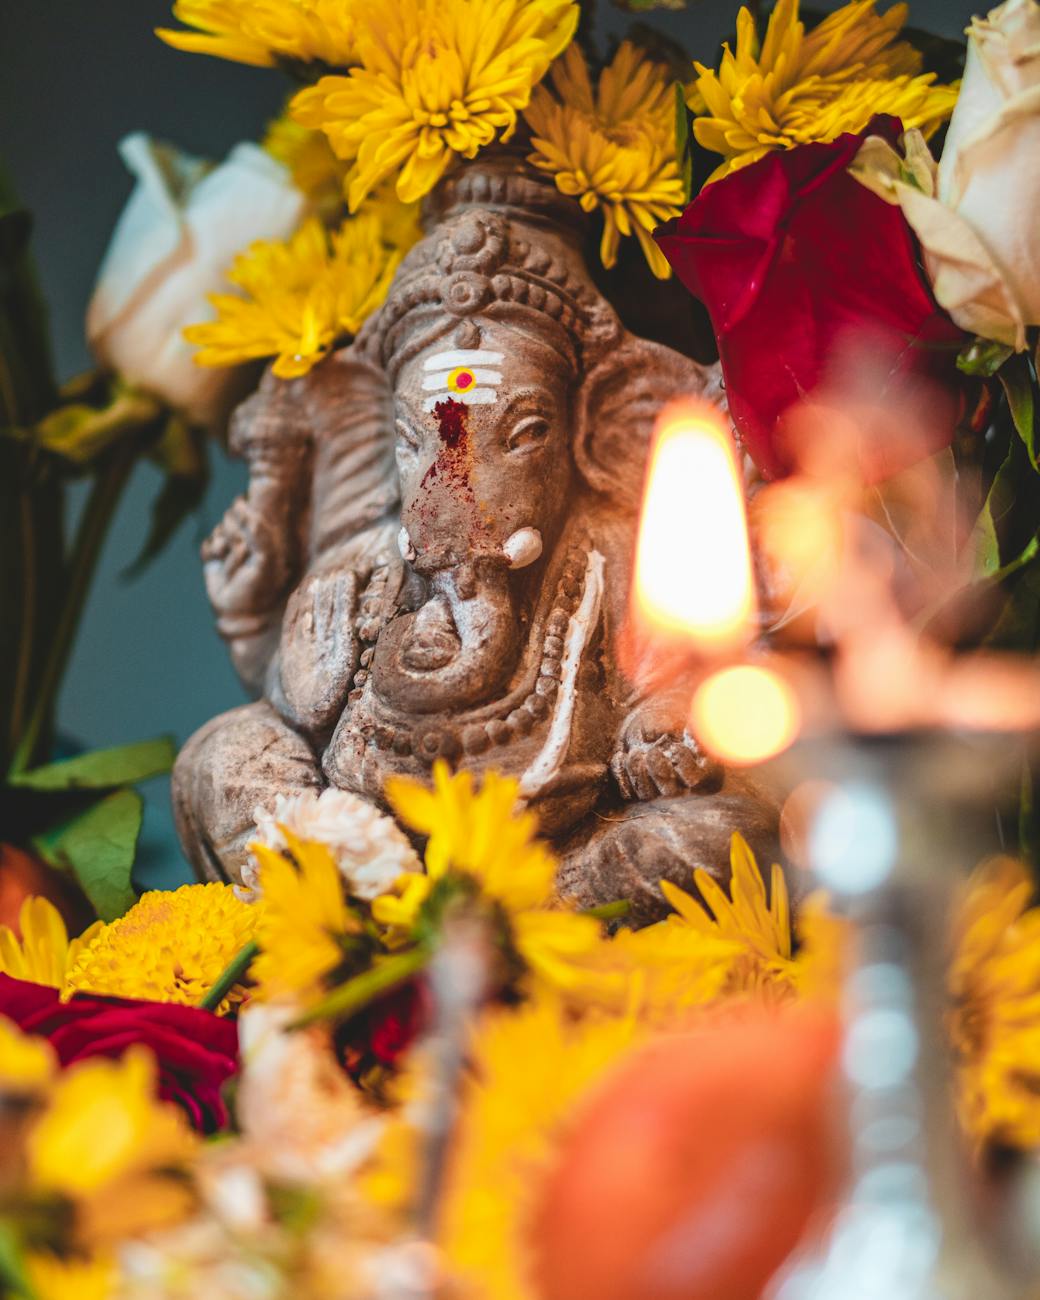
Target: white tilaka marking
point(440, 380)
point(579, 630)
point(474, 397)
point(462, 357)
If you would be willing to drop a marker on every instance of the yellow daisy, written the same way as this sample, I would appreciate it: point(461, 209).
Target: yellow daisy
point(994, 985)
point(27, 1063)
point(795, 87)
point(437, 80)
point(44, 953)
point(301, 297)
point(308, 156)
point(266, 32)
point(306, 925)
point(170, 947)
point(85, 1278)
point(484, 836)
point(613, 149)
point(111, 1148)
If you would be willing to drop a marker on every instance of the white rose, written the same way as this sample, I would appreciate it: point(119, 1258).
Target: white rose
point(977, 219)
point(173, 244)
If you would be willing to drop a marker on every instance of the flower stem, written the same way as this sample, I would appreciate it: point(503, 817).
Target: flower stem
point(232, 974)
point(97, 516)
point(609, 911)
point(357, 993)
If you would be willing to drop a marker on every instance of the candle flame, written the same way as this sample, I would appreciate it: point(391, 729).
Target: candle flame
point(745, 714)
point(693, 566)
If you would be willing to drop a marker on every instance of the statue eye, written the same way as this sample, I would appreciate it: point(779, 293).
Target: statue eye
point(529, 432)
point(407, 438)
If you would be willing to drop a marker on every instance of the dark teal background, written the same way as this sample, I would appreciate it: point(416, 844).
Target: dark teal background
point(75, 76)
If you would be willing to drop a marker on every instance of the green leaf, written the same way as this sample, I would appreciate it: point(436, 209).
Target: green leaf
point(983, 357)
point(98, 848)
point(103, 768)
point(13, 1279)
point(1000, 501)
point(1018, 626)
point(80, 433)
point(1017, 379)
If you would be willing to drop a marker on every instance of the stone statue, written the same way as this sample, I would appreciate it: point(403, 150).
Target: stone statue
point(433, 558)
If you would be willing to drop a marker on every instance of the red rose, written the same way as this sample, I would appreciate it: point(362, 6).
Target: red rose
point(814, 289)
point(384, 1031)
point(197, 1052)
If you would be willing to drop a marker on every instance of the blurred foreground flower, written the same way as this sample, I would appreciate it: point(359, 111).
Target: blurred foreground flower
point(174, 242)
point(301, 297)
point(976, 214)
point(438, 80)
point(794, 88)
point(816, 294)
point(994, 985)
point(613, 148)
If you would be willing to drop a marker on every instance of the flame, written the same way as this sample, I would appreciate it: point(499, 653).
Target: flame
point(693, 566)
point(745, 714)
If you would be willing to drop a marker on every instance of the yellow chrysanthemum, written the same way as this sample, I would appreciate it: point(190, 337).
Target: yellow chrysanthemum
point(77, 1278)
point(266, 32)
point(45, 952)
point(613, 148)
point(795, 87)
point(305, 919)
point(27, 1063)
point(107, 1144)
point(170, 947)
point(994, 984)
point(437, 80)
point(301, 297)
point(529, 1068)
point(308, 156)
point(483, 834)
point(758, 930)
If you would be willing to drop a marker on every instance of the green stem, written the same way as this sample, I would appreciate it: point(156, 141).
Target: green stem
point(97, 516)
point(357, 993)
point(232, 974)
point(609, 911)
point(29, 614)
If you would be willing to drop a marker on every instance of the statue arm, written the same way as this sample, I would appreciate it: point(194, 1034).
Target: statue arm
point(656, 754)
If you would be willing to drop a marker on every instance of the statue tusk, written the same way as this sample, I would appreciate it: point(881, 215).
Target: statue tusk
point(404, 545)
point(523, 547)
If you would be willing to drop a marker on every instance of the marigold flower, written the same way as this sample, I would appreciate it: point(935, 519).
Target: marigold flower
point(264, 32)
point(45, 952)
point(795, 88)
point(994, 1021)
point(302, 297)
point(437, 80)
point(315, 169)
point(107, 1144)
point(613, 148)
point(170, 947)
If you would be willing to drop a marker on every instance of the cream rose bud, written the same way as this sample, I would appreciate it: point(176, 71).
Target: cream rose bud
point(977, 220)
point(172, 246)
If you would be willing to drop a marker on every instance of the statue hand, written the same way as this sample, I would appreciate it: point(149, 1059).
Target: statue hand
point(657, 756)
point(319, 649)
point(246, 561)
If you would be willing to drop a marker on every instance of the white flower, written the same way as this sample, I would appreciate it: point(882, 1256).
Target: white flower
point(977, 219)
point(180, 231)
point(370, 849)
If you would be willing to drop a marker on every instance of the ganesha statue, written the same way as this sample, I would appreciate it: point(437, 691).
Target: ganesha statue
point(433, 560)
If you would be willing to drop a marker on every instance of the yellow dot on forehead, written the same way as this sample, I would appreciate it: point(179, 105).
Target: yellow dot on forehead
point(461, 379)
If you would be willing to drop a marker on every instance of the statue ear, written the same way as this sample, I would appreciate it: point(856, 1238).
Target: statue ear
point(618, 404)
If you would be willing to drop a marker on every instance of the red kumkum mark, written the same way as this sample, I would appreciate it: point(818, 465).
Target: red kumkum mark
point(453, 458)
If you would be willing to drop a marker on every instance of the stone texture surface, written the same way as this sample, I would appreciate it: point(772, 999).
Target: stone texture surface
point(433, 556)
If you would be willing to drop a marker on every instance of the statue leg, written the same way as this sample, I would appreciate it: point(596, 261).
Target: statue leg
point(629, 851)
point(234, 763)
